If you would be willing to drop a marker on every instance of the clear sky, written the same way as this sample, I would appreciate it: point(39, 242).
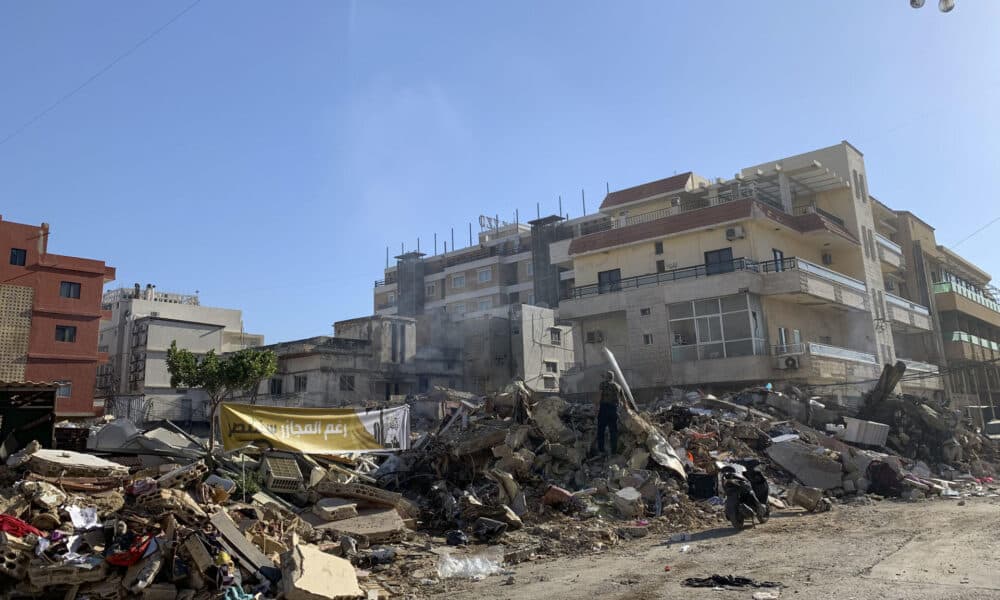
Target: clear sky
point(266, 153)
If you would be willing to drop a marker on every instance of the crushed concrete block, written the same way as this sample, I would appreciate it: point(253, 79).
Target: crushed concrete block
point(56, 463)
point(335, 509)
point(177, 502)
point(182, 476)
point(311, 574)
point(808, 498)
point(628, 502)
point(547, 414)
point(808, 464)
point(376, 526)
point(160, 591)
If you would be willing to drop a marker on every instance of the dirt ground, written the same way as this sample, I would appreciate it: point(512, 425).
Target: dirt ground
point(886, 550)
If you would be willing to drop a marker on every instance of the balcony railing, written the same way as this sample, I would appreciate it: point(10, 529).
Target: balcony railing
point(696, 271)
point(841, 353)
point(916, 365)
point(904, 303)
point(804, 265)
point(978, 298)
point(887, 243)
point(961, 336)
point(812, 208)
point(691, 203)
point(385, 306)
point(789, 349)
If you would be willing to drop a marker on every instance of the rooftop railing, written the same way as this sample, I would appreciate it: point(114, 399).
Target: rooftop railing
point(977, 297)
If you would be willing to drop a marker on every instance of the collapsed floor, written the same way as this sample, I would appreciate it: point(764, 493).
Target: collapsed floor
point(502, 481)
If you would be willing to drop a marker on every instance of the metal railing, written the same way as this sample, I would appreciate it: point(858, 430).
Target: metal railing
point(787, 264)
point(828, 351)
point(385, 306)
point(904, 303)
point(961, 336)
point(697, 271)
point(978, 298)
point(637, 281)
point(813, 209)
point(788, 349)
point(691, 203)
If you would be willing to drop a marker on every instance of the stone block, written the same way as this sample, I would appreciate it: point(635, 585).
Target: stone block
point(311, 574)
point(809, 464)
point(628, 502)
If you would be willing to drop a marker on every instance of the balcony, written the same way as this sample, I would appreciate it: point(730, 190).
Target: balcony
point(961, 347)
point(949, 296)
point(798, 279)
point(921, 376)
point(825, 362)
point(388, 284)
point(907, 316)
point(890, 253)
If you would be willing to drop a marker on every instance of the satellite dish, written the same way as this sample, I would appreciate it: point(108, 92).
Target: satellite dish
point(946, 5)
point(917, 3)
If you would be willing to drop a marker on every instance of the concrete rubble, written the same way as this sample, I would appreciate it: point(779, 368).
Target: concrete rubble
point(490, 483)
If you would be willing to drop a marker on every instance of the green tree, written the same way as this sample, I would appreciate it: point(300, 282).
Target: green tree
point(220, 376)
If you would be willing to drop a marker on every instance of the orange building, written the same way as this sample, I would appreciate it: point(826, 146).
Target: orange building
point(50, 314)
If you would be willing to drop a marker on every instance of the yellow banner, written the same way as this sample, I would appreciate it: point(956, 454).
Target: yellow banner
point(315, 430)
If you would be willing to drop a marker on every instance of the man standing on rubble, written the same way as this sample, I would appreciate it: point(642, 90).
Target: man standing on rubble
point(607, 411)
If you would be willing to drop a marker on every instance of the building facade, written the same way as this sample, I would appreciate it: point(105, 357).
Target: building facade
point(777, 275)
point(50, 315)
point(142, 325)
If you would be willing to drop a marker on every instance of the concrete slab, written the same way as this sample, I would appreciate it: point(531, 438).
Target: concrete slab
point(809, 464)
point(311, 574)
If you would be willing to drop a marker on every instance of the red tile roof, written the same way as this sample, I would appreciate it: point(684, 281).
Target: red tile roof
point(653, 188)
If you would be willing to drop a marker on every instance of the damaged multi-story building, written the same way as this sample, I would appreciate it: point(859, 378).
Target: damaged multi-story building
point(789, 272)
point(143, 323)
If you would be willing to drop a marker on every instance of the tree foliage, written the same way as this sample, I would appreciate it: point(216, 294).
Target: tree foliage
point(220, 376)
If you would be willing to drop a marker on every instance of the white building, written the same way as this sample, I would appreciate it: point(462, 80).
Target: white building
point(142, 326)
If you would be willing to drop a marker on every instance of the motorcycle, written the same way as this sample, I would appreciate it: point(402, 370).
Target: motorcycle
point(746, 491)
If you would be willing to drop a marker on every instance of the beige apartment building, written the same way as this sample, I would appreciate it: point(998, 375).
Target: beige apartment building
point(776, 275)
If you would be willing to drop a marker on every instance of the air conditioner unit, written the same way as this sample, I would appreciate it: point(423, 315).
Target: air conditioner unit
point(827, 258)
point(735, 232)
point(675, 201)
point(788, 362)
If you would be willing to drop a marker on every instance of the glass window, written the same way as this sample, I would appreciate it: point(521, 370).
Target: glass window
point(680, 310)
point(647, 339)
point(69, 289)
point(719, 261)
point(65, 389)
point(706, 307)
point(301, 383)
point(458, 281)
point(683, 332)
point(551, 366)
point(734, 303)
point(347, 383)
point(529, 268)
point(644, 312)
point(658, 248)
point(65, 333)
point(549, 383)
point(18, 256)
point(485, 275)
point(486, 304)
point(857, 184)
point(684, 353)
point(710, 351)
point(741, 348)
point(555, 336)
point(736, 326)
point(275, 387)
point(709, 329)
point(661, 266)
point(429, 290)
point(609, 281)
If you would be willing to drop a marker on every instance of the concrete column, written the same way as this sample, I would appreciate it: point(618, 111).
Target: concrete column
point(785, 192)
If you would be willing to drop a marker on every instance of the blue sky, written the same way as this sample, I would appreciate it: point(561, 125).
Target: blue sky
point(266, 153)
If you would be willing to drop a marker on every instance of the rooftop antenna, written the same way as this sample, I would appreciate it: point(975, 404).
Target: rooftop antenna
point(470, 233)
point(538, 210)
point(435, 244)
point(418, 244)
point(607, 187)
point(560, 204)
point(583, 198)
point(387, 257)
point(452, 240)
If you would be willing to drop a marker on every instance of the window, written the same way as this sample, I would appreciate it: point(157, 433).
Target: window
point(529, 268)
point(549, 383)
point(457, 281)
point(647, 339)
point(864, 241)
point(719, 261)
point(657, 248)
point(515, 330)
point(423, 384)
point(65, 389)
point(301, 383)
point(347, 383)
point(18, 256)
point(551, 366)
point(459, 309)
point(486, 304)
point(275, 387)
point(485, 275)
point(661, 266)
point(390, 298)
point(514, 298)
point(531, 298)
point(644, 312)
point(595, 337)
point(555, 336)
point(864, 190)
point(609, 281)
point(69, 289)
point(429, 290)
point(857, 184)
point(65, 333)
point(715, 328)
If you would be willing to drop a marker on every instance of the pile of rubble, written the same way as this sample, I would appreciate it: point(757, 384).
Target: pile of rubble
point(497, 481)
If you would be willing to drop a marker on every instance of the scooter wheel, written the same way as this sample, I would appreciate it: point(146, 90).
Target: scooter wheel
point(733, 512)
